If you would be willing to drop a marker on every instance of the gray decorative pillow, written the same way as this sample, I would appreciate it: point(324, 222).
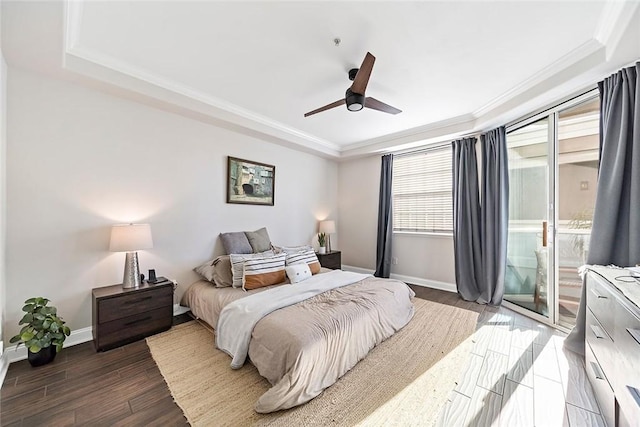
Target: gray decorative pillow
point(259, 240)
point(222, 275)
point(206, 270)
point(235, 243)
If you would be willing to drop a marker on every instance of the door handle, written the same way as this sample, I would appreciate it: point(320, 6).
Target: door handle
point(597, 294)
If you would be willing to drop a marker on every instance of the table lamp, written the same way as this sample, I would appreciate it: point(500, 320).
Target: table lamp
point(328, 228)
point(130, 238)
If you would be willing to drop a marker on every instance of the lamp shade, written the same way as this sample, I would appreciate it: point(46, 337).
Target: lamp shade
point(328, 227)
point(130, 237)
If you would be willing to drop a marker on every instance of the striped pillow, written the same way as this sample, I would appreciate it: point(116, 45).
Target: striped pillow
point(306, 256)
point(237, 264)
point(264, 271)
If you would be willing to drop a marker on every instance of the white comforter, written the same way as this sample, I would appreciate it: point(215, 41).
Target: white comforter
point(238, 318)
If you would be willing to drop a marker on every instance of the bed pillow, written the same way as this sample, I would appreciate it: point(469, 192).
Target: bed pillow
point(235, 243)
point(259, 240)
point(259, 272)
point(222, 275)
point(298, 272)
point(206, 270)
point(237, 265)
point(304, 257)
point(294, 249)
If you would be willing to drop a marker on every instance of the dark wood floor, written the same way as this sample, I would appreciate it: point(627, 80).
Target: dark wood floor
point(120, 387)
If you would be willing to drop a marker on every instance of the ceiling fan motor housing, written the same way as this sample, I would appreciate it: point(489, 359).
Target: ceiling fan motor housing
point(354, 101)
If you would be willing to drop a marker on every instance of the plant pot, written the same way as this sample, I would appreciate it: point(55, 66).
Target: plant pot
point(322, 250)
point(44, 356)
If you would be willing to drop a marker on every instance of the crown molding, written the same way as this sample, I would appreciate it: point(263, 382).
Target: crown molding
point(614, 20)
point(141, 85)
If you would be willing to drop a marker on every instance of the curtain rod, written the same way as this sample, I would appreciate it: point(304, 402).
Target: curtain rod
point(435, 146)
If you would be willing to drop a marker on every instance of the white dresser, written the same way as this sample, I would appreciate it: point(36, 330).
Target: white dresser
point(612, 345)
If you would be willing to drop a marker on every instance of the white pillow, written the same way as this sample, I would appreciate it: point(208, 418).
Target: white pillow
point(305, 257)
point(298, 272)
point(295, 249)
point(237, 265)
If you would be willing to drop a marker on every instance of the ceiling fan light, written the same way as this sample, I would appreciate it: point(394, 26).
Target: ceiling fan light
point(354, 101)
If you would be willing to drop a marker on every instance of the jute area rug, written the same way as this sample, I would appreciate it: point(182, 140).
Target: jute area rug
point(404, 381)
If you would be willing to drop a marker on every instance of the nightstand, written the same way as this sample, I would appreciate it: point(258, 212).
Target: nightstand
point(332, 260)
point(121, 316)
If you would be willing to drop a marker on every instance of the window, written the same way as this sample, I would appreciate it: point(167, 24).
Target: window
point(422, 191)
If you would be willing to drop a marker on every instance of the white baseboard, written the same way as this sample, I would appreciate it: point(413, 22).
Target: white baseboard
point(443, 286)
point(4, 366)
point(79, 336)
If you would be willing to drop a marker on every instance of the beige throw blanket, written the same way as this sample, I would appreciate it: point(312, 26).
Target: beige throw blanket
point(306, 347)
point(238, 318)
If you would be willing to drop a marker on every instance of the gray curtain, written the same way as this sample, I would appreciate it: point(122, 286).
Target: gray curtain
point(494, 214)
point(385, 219)
point(466, 219)
point(616, 220)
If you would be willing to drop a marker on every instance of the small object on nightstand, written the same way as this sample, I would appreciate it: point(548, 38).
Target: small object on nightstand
point(152, 275)
point(332, 260)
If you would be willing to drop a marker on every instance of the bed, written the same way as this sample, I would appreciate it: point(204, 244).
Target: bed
point(306, 347)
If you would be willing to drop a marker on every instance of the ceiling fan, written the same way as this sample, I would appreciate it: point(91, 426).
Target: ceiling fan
point(354, 98)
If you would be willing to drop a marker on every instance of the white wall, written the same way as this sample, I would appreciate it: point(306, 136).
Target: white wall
point(79, 161)
point(422, 259)
point(3, 203)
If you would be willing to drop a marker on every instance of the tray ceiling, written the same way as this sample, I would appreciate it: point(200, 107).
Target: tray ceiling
point(452, 67)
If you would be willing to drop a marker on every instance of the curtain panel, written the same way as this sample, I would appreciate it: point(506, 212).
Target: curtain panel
point(385, 219)
point(481, 218)
point(616, 219)
point(466, 219)
point(494, 214)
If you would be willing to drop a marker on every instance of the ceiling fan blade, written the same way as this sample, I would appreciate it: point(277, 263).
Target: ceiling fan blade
point(362, 78)
point(374, 104)
point(326, 107)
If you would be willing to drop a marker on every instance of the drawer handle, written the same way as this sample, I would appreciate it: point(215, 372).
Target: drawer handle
point(598, 295)
point(599, 333)
point(133, 322)
point(597, 371)
point(139, 300)
point(635, 334)
point(634, 393)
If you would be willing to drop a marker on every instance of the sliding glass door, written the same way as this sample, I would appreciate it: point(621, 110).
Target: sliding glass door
point(529, 257)
point(553, 161)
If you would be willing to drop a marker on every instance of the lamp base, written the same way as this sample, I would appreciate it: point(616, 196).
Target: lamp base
point(131, 277)
point(328, 243)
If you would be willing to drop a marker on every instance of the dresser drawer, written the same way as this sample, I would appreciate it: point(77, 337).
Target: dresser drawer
point(601, 387)
point(601, 302)
point(132, 328)
point(601, 344)
point(125, 305)
point(627, 381)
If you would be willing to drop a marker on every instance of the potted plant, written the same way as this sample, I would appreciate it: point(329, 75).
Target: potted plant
point(43, 332)
point(322, 238)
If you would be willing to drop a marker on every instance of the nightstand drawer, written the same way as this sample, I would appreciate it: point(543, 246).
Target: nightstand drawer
point(601, 302)
point(132, 328)
point(124, 305)
point(332, 260)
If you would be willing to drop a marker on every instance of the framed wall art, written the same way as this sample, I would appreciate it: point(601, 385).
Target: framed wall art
point(249, 182)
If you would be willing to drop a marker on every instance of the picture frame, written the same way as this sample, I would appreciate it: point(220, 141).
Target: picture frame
point(250, 182)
